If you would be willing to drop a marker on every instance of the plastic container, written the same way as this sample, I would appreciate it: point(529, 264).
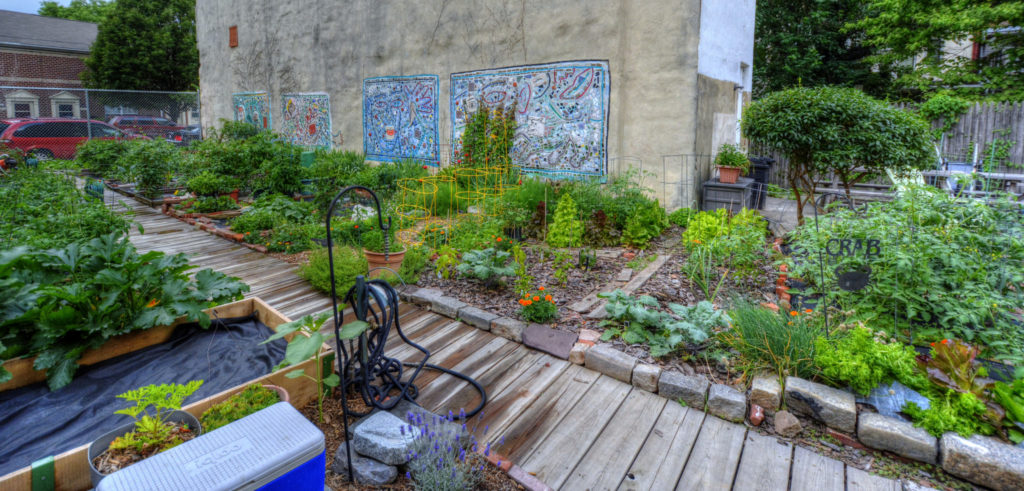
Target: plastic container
point(273, 449)
point(733, 197)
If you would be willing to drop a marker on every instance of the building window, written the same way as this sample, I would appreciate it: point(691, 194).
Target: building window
point(22, 110)
point(65, 110)
point(64, 104)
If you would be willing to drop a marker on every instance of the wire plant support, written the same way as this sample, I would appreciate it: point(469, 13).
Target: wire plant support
point(380, 380)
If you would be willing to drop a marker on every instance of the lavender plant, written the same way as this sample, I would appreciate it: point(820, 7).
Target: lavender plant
point(446, 452)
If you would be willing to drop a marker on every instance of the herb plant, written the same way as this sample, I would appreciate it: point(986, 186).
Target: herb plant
point(567, 229)
point(730, 155)
point(864, 359)
point(248, 401)
point(646, 224)
point(768, 340)
point(153, 403)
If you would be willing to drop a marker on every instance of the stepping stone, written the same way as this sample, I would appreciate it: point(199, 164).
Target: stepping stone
point(551, 341)
point(766, 392)
point(624, 275)
point(365, 470)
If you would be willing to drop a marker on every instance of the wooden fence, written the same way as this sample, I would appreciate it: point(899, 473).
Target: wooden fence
point(993, 125)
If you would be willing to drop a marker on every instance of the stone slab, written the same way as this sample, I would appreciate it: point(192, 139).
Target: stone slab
point(766, 392)
point(691, 389)
point(447, 306)
point(578, 354)
point(365, 470)
point(727, 403)
point(477, 317)
point(983, 460)
point(836, 408)
point(554, 342)
point(624, 275)
point(381, 437)
point(897, 436)
point(611, 362)
point(508, 328)
point(424, 296)
point(645, 376)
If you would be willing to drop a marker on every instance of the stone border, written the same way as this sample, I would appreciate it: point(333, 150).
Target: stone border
point(981, 460)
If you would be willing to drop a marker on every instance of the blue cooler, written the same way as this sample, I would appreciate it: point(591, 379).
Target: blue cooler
point(273, 449)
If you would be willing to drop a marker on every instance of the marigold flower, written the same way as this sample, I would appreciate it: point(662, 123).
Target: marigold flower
point(541, 288)
point(945, 341)
point(523, 302)
point(536, 298)
point(790, 323)
point(499, 239)
point(547, 297)
point(933, 345)
point(152, 303)
point(794, 313)
point(527, 303)
point(808, 311)
point(356, 226)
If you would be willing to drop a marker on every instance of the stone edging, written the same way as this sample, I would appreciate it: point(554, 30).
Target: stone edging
point(981, 460)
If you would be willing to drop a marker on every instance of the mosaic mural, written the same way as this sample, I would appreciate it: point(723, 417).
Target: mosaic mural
point(561, 113)
point(400, 118)
point(252, 108)
point(306, 119)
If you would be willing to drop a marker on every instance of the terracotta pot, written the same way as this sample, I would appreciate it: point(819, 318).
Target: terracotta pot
point(281, 392)
point(376, 260)
point(729, 175)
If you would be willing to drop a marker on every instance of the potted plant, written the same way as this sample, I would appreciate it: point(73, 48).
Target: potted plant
point(731, 163)
point(380, 255)
point(248, 401)
point(159, 425)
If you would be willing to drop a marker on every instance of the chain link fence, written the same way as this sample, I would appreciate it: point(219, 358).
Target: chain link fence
point(51, 122)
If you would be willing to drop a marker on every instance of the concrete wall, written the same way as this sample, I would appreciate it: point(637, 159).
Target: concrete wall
point(324, 45)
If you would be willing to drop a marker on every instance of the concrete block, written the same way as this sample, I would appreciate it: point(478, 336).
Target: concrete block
point(611, 362)
point(983, 460)
point(447, 306)
point(767, 393)
point(836, 408)
point(727, 403)
point(691, 389)
point(476, 317)
point(646, 376)
point(508, 328)
point(897, 436)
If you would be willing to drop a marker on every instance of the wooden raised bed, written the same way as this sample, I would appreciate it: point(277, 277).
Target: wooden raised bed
point(71, 468)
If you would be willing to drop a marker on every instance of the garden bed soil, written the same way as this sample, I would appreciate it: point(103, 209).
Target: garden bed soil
point(493, 479)
point(112, 461)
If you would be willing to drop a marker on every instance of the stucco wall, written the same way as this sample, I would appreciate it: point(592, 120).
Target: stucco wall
point(319, 45)
point(727, 40)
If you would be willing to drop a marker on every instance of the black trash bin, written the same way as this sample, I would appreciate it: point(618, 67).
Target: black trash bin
point(759, 172)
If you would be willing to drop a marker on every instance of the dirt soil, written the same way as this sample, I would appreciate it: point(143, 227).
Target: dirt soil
point(113, 460)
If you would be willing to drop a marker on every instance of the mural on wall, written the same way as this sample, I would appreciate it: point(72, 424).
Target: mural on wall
point(561, 113)
point(400, 118)
point(252, 108)
point(306, 119)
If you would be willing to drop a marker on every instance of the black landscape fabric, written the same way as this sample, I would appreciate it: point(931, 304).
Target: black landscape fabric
point(35, 422)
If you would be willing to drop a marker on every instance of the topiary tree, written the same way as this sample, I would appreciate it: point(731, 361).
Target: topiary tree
point(836, 130)
point(567, 229)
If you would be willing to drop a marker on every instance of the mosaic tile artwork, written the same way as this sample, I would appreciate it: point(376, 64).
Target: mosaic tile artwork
point(306, 119)
point(252, 108)
point(400, 118)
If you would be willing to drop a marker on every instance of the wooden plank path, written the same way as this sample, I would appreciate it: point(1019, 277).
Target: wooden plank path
point(571, 427)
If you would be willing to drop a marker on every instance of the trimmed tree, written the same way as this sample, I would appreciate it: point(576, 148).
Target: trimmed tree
point(835, 130)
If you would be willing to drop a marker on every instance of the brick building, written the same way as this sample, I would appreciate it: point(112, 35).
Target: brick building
point(37, 51)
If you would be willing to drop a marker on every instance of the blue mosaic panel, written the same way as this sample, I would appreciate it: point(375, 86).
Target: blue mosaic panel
point(400, 118)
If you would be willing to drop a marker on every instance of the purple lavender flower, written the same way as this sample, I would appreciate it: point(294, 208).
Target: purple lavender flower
point(436, 446)
point(402, 429)
point(462, 413)
point(487, 451)
point(499, 462)
point(474, 447)
point(463, 426)
point(488, 427)
point(462, 455)
point(408, 476)
point(502, 439)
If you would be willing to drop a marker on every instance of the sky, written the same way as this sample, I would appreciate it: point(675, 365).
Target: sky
point(27, 6)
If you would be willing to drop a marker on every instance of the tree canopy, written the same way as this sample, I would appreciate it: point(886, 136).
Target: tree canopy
point(145, 45)
point(919, 30)
point(83, 10)
point(803, 43)
point(838, 130)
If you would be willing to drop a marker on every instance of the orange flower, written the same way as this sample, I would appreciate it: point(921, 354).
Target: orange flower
point(547, 297)
point(794, 313)
point(499, 239)
point(945, 341)
point(152, 303)
point(527, 303)
point(933, 345)
point(791, 323)
point(357, 225)
point(808, 311)
point(536, 298)
point(541, 288)
point(523, 302)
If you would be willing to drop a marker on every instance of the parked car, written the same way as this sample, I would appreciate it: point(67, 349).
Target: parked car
point(151, 126)
point(48, 138)
point(185, 137)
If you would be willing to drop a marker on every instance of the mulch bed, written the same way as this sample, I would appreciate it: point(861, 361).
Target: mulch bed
point(493, 478)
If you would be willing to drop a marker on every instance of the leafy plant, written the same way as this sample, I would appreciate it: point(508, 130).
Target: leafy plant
point(208, 183)
point(1011, 398)
point(524, 280)
point(945, 108)
point(681, 217)
point(100, 155)
point(373, 240)
point(153, 403)
point(630, 319)
point(641, 261)
point(864, 359)
point(951, 411)
point(348, 263)
point(537, 227)
point(561, 263)
point(150, 164)
point(600, 230)
point(248, 401)
point(705, 226)
point(767, 340)
point(58, 303)
point(567, 229)
point(447, 261)
point(538, 307)
point(213, 204)
point(701, 268)
point(730, 155)
point(487, 265)
point(305, 344)
point(646, 224)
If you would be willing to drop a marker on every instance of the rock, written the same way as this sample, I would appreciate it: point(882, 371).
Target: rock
point(380, 436)
point(476, 317)
point(424, 296)
point(834, 407)
point(756, 415)
point(508, 328)
point(624, 275)
point(578, 354)
point(909, 485)
point(364, 470)
point(787, 425)
point(589, 336)
point(645, 376)
point(691, 389)
point(983, 460)
point(897, 436)
point(611, 362)
point(554, 342)
point(766, 392)
point(447, 306)
point(727, 403)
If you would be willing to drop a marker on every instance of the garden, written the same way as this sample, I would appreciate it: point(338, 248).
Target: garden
point(912, 304)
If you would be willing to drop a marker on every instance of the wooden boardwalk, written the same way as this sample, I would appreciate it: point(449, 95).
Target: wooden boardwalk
point(573, 428)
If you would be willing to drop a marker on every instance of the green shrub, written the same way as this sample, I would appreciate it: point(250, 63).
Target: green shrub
point(775, 341)
point(646, 224)
point(235, 130)
point(864, 359)
point(348, 263)
point(951, 411)
point(681, 217)
point(253, 221)
point(567, 229)
point(209, 204)
point(149, 164)
point(630, 319)
point(99, 155)
point(289, 238)
point(705, 226)
point(415, 260)
point(208, 183)
point(251, 399)
point(487, 265)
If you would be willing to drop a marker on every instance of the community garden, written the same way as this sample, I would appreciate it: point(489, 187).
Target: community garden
point(916, 298)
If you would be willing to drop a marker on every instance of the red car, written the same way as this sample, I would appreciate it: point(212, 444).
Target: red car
point(49, 138)
point(151, 126)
